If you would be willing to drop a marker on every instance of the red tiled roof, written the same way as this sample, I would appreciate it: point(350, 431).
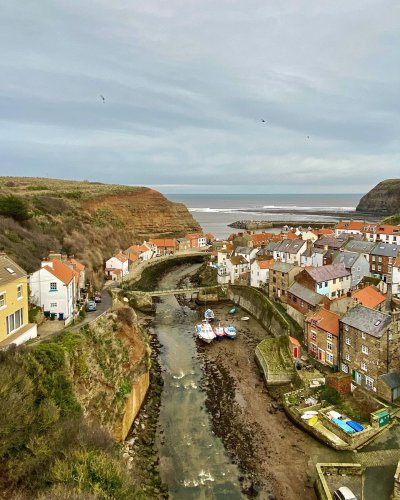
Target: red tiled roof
point(163, 242)
point(121, 257)
point(326, 320)
point(266, 264)
point(61, 271)
point(77, 265)
point(369, 297)
point(388, 229)
point(353, 225)
point(133, 257)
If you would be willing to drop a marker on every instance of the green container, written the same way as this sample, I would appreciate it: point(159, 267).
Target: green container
point(53, 316)
point(383, 417)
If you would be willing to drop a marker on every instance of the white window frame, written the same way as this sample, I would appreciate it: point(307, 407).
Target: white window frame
point(329, 336)
point(363, 335)
point(345, 368)
point(19, 292)
point(3, 301)
point(348, 357)
point(348, 341)
point(11, 322)
point(369, 382)
point(364, 366)
point(364, 349)
point(329, 346)
point(329, 358)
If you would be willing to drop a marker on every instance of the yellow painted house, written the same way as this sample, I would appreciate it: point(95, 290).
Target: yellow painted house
point(14, 325)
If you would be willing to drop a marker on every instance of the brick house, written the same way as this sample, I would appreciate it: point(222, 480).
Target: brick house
point(333, 280)
point(281, 276)
point(322, 336)
point(302, 300)
point(383, 257)
point(365, 345)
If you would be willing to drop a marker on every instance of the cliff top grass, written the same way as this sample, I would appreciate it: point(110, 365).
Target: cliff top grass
point(28, 187)
point(393, 220)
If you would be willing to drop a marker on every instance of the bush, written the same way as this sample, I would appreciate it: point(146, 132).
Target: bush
point(331, 395)
point(14, 207)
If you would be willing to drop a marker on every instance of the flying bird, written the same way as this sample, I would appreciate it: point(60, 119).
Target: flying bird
point(103, 98)
point(308, 137)
point(263, 121)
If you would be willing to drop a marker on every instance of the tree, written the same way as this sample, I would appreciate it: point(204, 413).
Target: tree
point(14, 207)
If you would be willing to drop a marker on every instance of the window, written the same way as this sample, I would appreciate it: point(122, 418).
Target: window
point(329, 358)
point(329, 336)
point(348, 358)
point(313, 335)
point(313, 347)
point(345, 368)
point(364, 349)
point(2, 299)
point(363, 335)
point(53, 287)
point(364, 366)
point(333, 294)
point(329, 346)
point(334, 281)
point(14, 321)
point(348, 341)
point(326, 283)
point(369, 382)
point(340, 280)
point(19, 291)
point(346, 328)
point(319, 285)
point(53, 304)
point(302, 304)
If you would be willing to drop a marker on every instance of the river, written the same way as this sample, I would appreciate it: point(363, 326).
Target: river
point(193, 461)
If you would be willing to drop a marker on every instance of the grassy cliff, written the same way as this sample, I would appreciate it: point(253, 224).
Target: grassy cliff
point(90, 220)
point(384, 198)
point(60, 401)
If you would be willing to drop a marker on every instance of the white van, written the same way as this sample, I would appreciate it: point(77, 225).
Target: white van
point(344, 493)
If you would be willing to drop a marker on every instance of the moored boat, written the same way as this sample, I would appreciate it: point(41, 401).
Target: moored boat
point(232, 310)
point(205, 332)
point(209, 315)
point(230, 332)
point(219, 332)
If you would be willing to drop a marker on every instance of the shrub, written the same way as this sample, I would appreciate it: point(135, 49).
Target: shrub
point(331, 395)
point(14, 207)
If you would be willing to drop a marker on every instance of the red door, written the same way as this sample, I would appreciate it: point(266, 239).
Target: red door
point(295, 352)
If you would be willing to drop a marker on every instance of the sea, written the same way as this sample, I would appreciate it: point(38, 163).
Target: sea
point(215, 211)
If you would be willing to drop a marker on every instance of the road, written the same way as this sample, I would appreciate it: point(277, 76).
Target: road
point(103, 306)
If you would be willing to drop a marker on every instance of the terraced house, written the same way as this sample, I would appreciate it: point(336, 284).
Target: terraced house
point(366, 346)
point(322, 336)
point(281, 276)
point(333, 280)
point(14, 325)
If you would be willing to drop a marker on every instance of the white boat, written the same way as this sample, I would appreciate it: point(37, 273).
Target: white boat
point(230, 332)
point(205, 332)
point(209, 315)
point(245, 318)
point(309, 414)
point(219, 332)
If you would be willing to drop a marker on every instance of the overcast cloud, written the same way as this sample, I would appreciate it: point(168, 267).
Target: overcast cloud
point(187, 83)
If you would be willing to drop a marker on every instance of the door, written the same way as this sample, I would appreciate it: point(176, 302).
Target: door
point(295, 352)
point(321, 355)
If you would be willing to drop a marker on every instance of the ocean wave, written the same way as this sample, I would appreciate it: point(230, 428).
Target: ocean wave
point(215, 210)
point(301, 208)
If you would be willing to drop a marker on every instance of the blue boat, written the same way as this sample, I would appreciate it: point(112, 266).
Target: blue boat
point(209, 315)
point(232, 310)
point(343, 425)
point(355, 425)
point(230, 332)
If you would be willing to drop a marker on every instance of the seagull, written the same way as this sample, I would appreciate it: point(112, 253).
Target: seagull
point(308, 137)
point(263, 121)
point(103, 98)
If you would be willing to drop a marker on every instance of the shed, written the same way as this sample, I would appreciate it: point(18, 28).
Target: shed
point(391, 382)
point(294, 347)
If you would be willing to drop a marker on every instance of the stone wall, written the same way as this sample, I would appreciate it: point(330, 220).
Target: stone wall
point(334, 469)
point(132, 406)
point(340, 381)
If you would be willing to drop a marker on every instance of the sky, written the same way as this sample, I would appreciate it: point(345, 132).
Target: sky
point(187, 84)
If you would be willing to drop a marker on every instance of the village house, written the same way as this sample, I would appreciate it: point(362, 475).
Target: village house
point(312, 256)
point(80, 275)
point(197, 240)
point(356, 264)
point(308, 235)
point(259, 239)
point(289, 251)
point(322, 336)
point(383, 256)
point(331, 245)
point(365, 346)
point(53, 288)
point(370, 297)
point(396, 278)
point(349, 227)
point(237, 270)
point(361, 247)
point(281, 276)
point(117, 267)
point(14, 323)
point(332, 280)
point(383, 232)
point(182, 244)
point(259, 272)
point(163, 246)
point(302, 300)
point(247, 253)
point(142, 252)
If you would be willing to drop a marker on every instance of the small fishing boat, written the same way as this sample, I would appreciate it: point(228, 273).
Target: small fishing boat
point(245, 318)
point(355, 425)
point(205, 332)
point(307, 415)
point(230, 332)
point(232, 310)
point(209, 315)
point(313, 420)
point(219, 332)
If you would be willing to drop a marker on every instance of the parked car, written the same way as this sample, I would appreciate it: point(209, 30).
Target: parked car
point(91, 306)
point(97, 297)
point(344, 493)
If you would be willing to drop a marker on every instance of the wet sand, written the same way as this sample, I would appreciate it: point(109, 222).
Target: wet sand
point(275, 457)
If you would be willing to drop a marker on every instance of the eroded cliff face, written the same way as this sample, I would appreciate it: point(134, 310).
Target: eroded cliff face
point(382, 199)
point(114, 378)
point(89, 220)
